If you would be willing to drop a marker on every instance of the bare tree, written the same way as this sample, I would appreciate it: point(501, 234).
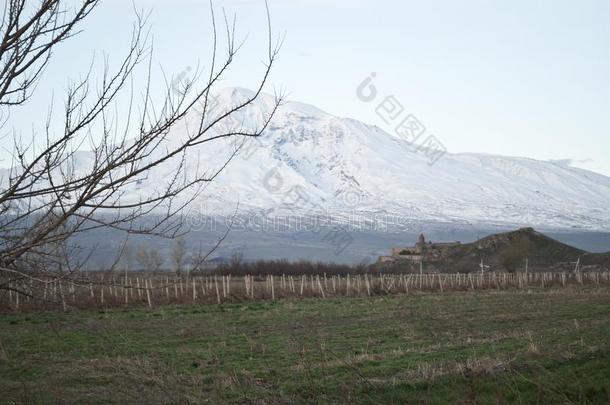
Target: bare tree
point(178, 255)
point(237, 258)
point(149, 259)
point(142, 258)
point(27, 42)
point(46, 197)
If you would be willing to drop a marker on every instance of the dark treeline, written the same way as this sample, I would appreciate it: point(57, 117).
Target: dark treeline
point(279, 267)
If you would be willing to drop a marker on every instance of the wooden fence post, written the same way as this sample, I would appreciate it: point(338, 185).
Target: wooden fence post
point(148, 287)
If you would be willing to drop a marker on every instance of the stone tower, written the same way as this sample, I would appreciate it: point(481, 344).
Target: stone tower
point(422, 240)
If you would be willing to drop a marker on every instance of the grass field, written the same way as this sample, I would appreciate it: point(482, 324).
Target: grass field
point(538, 346)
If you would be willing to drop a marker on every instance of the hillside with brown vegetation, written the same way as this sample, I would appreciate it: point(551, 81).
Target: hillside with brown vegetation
point(512, 251)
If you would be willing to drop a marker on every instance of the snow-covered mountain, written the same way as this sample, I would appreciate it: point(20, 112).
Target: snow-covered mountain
point(312, 162)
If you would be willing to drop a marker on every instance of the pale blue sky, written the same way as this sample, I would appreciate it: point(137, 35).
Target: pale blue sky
point(516, 78)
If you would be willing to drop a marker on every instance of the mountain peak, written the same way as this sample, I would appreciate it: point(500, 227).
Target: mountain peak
point(237, 93)
point(344, 167)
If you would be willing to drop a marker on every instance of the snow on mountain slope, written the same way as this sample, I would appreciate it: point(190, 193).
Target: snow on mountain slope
point(343, 166)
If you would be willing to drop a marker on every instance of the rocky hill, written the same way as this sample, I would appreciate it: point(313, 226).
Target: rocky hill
point(510, 251)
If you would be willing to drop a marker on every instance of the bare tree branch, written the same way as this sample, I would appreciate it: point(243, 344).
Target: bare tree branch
point(48, 195)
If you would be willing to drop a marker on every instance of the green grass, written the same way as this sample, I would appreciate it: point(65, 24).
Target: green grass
point(484, 347)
